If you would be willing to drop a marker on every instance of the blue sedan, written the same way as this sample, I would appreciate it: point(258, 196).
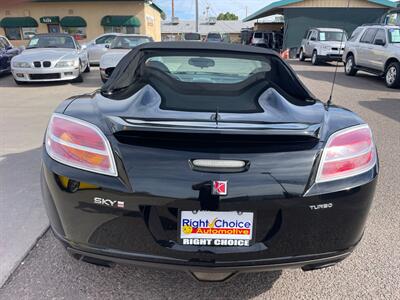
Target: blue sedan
point(7, 51)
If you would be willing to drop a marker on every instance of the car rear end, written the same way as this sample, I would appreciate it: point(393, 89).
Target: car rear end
point(176, 184)
point(258, 39)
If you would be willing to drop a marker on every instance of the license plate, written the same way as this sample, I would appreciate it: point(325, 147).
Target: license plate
point(216, 228)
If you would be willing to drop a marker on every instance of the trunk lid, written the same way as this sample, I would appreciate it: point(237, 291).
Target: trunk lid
point(157, 146)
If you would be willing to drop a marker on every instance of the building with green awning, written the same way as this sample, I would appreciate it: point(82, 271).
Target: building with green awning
point(10, 22)
point(73, 21)
point(84, 19)
point(129, 21)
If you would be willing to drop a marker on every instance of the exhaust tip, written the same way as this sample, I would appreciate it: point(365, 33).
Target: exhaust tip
point(212, 277)
point(318, 266)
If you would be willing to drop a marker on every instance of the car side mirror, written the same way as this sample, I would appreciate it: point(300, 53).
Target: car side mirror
point(107, 46)
point(84, 47)
point(313, 39)
point(379, 42)
point(8, 48)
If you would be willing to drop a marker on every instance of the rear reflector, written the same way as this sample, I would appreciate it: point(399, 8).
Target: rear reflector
point(79, 144)
point(348, 152)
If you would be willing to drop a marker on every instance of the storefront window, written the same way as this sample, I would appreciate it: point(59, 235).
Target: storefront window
point(79, 33)
point(121, 29)
point(53, 28)
point(132, 30)
point(20, 33)
point(13, 33)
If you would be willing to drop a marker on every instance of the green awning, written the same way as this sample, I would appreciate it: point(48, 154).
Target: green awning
point(128, 21)
point(50, 20)
point(73, 22)
point(18, 22)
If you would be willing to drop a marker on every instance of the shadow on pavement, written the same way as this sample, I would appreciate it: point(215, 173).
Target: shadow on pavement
point(361, 81)
point(22, 215)
point(55, 274)
point(308, 63)
point(385, 106)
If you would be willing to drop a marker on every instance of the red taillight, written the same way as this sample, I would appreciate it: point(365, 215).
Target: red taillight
point(347, 153)
point(79, 144)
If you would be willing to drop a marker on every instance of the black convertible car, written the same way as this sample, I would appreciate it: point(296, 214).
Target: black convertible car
point(210, 158)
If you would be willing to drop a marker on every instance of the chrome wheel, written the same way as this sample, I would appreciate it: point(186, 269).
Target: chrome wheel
point(301, 55)
point(314, 58)
point(391, 75)
point(349, 65)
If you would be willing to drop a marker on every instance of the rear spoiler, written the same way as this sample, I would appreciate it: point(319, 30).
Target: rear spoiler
point(208, 127)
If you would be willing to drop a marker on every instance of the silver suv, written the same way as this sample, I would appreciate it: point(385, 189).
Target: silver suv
point(374, 49)
point(322, 45)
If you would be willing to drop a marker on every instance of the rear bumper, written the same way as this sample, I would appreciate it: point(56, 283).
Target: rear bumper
point(108, 256)
point(262, 45)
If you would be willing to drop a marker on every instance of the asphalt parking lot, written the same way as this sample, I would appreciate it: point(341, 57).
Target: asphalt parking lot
point(372, 272)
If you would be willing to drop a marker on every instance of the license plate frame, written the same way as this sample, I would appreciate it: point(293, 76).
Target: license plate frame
point(236, 237)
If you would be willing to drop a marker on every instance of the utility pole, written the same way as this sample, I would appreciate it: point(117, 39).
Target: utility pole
point(173, 9)
point(197, 15)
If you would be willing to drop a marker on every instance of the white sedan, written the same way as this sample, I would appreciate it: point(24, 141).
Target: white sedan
point(51, 57)
point(121, 46)
point(97, 47)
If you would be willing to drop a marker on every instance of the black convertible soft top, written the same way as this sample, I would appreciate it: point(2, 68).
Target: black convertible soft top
point(128, 71)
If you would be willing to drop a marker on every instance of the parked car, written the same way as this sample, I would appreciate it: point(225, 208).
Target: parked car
point(7, 52)
point(268, 39)
point(121, 45)
point(50, 57)
point(323, 45)
point(259, 39)
point(210, 158)
point(214, 37)
point(191, 36)
point(97, 47)
point(374, 49)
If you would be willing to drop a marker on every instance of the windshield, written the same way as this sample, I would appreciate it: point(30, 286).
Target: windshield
point(129, 42)
point(394, 35)
point(192, 37)
point(47, 41)
point(332, 36)
point(209, 69)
